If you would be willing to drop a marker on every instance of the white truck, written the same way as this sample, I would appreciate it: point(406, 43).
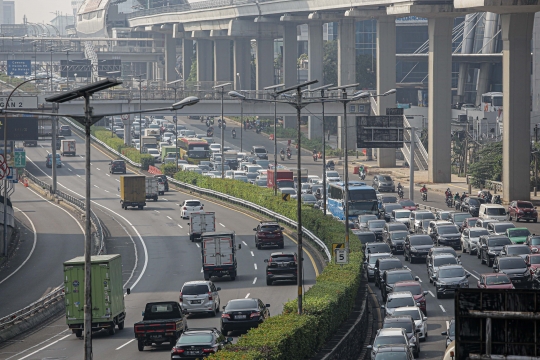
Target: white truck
point(201, 223)
point(68, 148)
point(152, 189)
point(148, 142)
point(219, 254)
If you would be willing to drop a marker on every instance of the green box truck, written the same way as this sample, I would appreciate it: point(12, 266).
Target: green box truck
point(108, 309)
point(168, 149)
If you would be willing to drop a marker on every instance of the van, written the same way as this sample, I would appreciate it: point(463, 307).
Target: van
point(492, 212)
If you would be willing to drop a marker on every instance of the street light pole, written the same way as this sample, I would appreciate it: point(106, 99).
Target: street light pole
point(221, 89)
point(88, 234)
point(241, 114)
point(175, 87)
point(274, 95)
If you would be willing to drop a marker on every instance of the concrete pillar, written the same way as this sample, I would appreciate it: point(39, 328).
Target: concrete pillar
point(386, 79)
point(242, 64)
point(204, 60)
point(536, 67)
point(149, 70)
point(488, 47)
point(222, 60)
point(347, 75)
point(170, 58)
point(516, 36)
point(187, 54)
point(466, 48)
point(265, 62)
point(440, 97)
point(315, 72)
point(290, 59)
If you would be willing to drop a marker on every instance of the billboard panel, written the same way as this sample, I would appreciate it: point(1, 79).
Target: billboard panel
point(20, 128)
point(379, 131)
point(83, 68)
point(105, 66)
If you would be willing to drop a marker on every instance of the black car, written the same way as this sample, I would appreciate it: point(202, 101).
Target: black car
point(458, 217)
point(447, 235)
point(364, 236)
point(404, 322)
point(376, 247)
point(393, 226)
point(199, 343)
point(281, 266)
point(385, 264)
point(450, 333)
point(243, 314)
point(396, 241)
point(65, 130)
point(516, 269)
point(490, 247)
point(387, 210)
point(371, 260)
point(117, 166)
point(164, 180)
point(417, 247)
point(376, 226)
point(449, 278)
point(392, 276)
point(471, 204)
point(442, 249)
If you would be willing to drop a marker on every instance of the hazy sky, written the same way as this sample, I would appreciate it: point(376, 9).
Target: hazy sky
point(39, 11)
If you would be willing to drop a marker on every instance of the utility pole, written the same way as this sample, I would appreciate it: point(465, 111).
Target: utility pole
point(535, 159)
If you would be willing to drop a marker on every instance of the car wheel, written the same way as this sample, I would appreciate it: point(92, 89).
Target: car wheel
point(78, 333)
point(268, 282)
point(470, 251)
point(463, 247)
point(517, 218)
point(140, 345)
point(213, 313)
point(112, 329)
point(438, 294)
point(490, 263)
point(535, 220)
point(121, 325)
point(478, 253)
point(224, 331)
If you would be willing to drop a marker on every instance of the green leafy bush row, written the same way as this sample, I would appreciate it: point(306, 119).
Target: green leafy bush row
point(326, 305)
point(118, 144)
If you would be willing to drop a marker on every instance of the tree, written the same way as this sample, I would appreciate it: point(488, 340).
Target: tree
point(488, 166)
point(366, 74)
point(193, 71)
point(330, 62)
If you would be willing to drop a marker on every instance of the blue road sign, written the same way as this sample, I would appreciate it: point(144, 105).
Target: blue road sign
point(19, 67)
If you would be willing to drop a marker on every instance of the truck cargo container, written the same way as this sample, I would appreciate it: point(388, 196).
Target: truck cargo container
point(152, 188)
point(284, 178)
point(219, 254)
point(132, 191)
point(68, 148)
point(108, 309)
point(201, 223)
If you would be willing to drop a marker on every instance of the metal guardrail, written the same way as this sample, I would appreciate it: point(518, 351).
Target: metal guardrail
point(496, 186)
point(31, 309)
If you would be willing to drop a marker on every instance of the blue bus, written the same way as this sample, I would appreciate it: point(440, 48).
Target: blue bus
point(362, 200)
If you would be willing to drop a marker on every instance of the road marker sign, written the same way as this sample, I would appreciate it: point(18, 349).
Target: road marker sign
point(285, 197)
point(337, 246)
point(342, 256)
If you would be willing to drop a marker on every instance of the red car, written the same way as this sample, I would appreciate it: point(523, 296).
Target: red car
point(494, 281)
point(469, 223)
point(407, 204)
point(533, 262)
point(522, 210)
point(534, 242)
point(416, 290)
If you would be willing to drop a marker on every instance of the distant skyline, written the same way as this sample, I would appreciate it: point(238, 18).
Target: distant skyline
point(40, 11)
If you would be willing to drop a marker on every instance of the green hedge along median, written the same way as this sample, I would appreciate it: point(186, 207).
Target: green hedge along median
point(326, 305)
point(118, 144)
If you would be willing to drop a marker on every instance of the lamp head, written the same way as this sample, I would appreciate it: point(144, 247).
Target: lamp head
point(190, 100)
point(390, 92)
point(236, 94)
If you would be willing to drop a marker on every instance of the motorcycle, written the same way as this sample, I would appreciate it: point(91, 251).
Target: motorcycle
point(362, 175)
point(315, 157)
point(449, 202)
point(457, 205)
point(208, 123)
point(400, 193)
point(288, 155)
point(424, 196)
point(258, 130)
point(497, 200)
point(234, 135)
point(282, 156)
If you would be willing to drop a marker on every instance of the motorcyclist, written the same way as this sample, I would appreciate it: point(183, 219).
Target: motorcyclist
point(448, 193)
point(282, 152)
point(463, 196)
point(423, 189)
point(456, 197)
point(233, 133)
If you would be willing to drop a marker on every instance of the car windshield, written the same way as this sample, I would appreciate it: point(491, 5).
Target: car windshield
point(411, 312)
point(332, 174)
point(378, 248)
point(390, 264)
point(496, 211)
point(450, 229)
point(425, 223)
point(288, 191)
point(421, 240)
point(242, 304)
point(519, 232)
point(525, 205)
point(425, 216)
point(193, 203)
point(194, 339)
point(402, 355)
point(387, 178)
point(273, 227)
point(452, 329)
point(398, 235)
point(365, 218)
point(515, 263)
point(444, 215)
point(407, 325)
point(458, 218)
point(535, 240)
point(283, 258)
point(499, 242)
point(373, 258)
point(451, 273)
point(519, 250)
point(376, 224)
point(477, 233)
point(500, 228)
point(390, 200)
point(401, 214)
point(444, 260)
point(407, 203)
point(414, 289)
point(401, 276)
point(388, 208)
point(472, 222)
point(260, 150)
point(497, 280)
point(389, 340)
point(534, 259)
point(195, 289)
point(400, 302)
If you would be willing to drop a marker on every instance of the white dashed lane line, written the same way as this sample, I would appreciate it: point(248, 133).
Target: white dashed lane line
point(156, 211)
point(106, 190)
point(78, 175)
point(255, 266)
point(252, 254)
point(168, 217)
point(69, 169)
point(117, 180)
point(98, 169)
point(247, 295)
point(180, 226)
point(96, 186)
point(243, 242)
point(198, 245)
point(254, 281)
point(430, 293)
point(108, 174)
point(129, 342)
point(221, 224)
point(443, 310)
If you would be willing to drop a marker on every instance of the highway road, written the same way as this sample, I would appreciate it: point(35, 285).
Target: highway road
point(157, 259)
point(49, 236)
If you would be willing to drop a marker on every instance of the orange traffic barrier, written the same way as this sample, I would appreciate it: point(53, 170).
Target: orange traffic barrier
point(271, 137)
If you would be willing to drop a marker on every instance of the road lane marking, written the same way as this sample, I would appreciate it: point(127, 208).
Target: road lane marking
point(46, 346)
point(201, 269)
point(221, 224)
point(117, 195)
point(254, 281)
point(168, 217)
point(180, 226)
point(252, 254)
point(255, 266)
point(474, 276)
point(198, 245)
point(447, 324)
point(81, 156)
point(430, 293)
point(98, 169)
point(78, 175)
point(243, 242)
point(130, 341)
point(117, 180)
point(96, 186)
point(156, 211)
point(419, 279)
point(91, 164)
point(106, 190)
point(164, 199)
point(247, 295)
point(108, 174)
point(69, 169)
point(442, 308)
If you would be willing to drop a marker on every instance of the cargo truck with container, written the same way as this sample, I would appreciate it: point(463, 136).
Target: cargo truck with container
point(200, 223)
point(148, 142)
point(168, 151)
point(155, 133)
point(108, 308)
point(303, 175)
point(133, 191)
point(219, 254)
point(68, 148)
point(152, 190)
point(284, 178)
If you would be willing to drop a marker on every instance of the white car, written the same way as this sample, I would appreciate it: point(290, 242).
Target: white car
point(419, 319)
point(305, 187)
point(470, 238)
point(215, 148)
point(332, 176)
point(288, 190)
point(313, 179)
point(155, 154)
point(167, 136)
point(190, 206)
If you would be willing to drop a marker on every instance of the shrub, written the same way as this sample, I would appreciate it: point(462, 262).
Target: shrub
point(326, 304)
point(118, 144)
point(168, 169)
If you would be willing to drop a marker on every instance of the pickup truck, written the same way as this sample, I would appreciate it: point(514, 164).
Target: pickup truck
point(162, 322)
point(281, 266)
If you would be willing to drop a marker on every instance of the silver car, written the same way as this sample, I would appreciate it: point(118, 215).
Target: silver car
point(200, 297)
point(419, 319)
point(470, 238)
